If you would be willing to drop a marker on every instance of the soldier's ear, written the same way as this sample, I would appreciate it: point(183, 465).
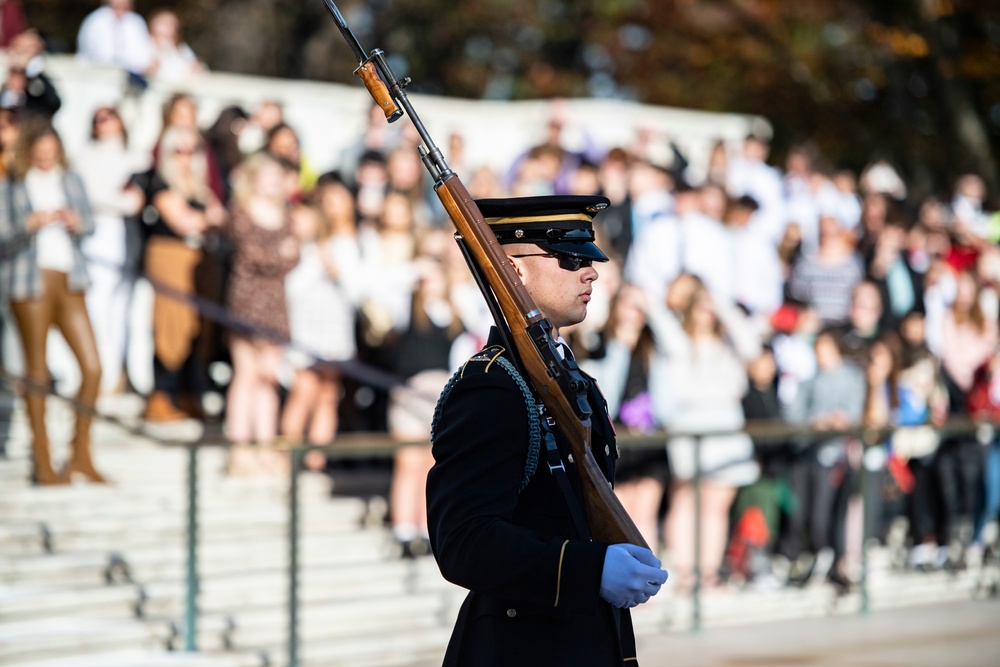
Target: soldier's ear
point(516, 263)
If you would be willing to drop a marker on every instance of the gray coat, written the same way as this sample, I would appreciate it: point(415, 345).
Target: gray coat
point(20, 278)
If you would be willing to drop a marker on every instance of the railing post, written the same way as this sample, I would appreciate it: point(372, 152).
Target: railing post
point(696, 586)
point(293, 558)
point(866, 507)
point(191, 594)
point(868, 455)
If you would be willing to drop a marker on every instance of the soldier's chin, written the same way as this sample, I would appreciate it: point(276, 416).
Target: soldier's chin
point(579, 319)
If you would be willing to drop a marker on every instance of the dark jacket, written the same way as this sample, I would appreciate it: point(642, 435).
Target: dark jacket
point(500, 527)
point(39, 97)
point(890, 321)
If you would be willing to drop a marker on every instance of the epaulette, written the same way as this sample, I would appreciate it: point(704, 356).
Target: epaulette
point(481, 362)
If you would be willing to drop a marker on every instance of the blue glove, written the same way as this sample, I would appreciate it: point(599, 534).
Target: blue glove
point(631, 575)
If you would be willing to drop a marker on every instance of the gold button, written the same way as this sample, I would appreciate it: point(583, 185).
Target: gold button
point(570, 458)
point(607, 450)
point(511, 613)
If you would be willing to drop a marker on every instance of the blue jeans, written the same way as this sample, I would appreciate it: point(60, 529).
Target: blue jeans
point(991, 489)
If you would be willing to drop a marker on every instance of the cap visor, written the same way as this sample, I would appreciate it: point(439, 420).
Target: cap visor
point(586, 249)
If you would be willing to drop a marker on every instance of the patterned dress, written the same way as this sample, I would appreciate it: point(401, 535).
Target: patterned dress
point(256, 291)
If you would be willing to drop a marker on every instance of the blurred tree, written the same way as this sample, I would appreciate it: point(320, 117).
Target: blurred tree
point(913, 81)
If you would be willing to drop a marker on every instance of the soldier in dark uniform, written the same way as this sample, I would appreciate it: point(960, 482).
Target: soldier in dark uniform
point(501, 522)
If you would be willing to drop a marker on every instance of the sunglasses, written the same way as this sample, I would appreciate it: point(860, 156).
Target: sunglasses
point(566, 262)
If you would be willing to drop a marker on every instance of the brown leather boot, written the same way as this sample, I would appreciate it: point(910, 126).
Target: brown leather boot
point(159, 408)
point(42, 473)
point(81, 463)
point(190, 405)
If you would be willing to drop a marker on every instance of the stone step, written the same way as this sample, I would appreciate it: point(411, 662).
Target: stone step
point(218, 523)
point(72, 569)
point(132, 497)
point(396, 649)
point(888, 589)
point(384, 595)
point(105, 602)
point(150, 515)
point(165, 561)
point(672, 611)
point(140, 658)
point(328, 585)
point(266, 630)
point(53, 637)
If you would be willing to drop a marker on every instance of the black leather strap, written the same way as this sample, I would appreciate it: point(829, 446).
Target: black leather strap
point(558, 470)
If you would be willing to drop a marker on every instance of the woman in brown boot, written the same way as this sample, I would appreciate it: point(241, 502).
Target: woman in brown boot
point(182, 208)
point(47, 208)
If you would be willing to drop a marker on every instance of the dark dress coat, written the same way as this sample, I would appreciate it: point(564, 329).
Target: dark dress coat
point(500, 527)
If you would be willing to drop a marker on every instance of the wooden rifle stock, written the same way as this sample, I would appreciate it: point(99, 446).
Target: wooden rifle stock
point(609, 522)
point(530, 332)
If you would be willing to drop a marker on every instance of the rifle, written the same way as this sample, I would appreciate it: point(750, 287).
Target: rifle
point(525, 331)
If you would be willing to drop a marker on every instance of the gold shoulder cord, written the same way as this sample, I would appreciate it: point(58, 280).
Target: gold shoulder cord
point(562, 553)
point(494, 358)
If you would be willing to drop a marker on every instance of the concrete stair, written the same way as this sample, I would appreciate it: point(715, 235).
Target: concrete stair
point(95, 576)
point(64, 636)
point(152, 658)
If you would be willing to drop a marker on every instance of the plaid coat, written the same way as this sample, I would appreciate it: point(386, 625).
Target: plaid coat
point(20, 279)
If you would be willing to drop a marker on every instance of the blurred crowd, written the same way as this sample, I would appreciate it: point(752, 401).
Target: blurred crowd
point(319, 298)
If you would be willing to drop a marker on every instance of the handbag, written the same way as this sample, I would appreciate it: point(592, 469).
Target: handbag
point(914, 442)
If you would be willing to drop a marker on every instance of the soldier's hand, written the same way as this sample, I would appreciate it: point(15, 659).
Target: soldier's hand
point(631, 575)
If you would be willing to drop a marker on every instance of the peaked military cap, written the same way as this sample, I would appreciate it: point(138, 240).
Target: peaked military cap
point(560, 224)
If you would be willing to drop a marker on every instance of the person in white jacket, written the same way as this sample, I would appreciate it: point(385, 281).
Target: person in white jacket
point(703, 349)
point(106, 166)
point(115, 36)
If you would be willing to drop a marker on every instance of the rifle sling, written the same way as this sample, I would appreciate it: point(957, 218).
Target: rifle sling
point(558, 470)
